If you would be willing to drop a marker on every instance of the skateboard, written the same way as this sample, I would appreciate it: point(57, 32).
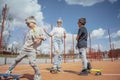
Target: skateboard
point(53, 70)
point(7, 76)
point(95, 71)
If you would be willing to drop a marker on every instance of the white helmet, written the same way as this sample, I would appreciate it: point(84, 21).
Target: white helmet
point(59, 20)
point(30, 19)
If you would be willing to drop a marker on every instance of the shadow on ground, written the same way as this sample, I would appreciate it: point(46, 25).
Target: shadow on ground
point(28, 76)
point(72, 72)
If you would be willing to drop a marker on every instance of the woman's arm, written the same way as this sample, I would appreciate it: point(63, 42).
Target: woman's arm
point(64, 34)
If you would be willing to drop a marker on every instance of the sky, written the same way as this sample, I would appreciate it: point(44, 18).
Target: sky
point(101, 15)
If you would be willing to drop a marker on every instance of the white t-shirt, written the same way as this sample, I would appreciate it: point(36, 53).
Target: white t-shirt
point(31, 37)
point(58, 32)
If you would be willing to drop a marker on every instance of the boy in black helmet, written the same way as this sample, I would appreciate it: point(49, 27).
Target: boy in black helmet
point(82, 45)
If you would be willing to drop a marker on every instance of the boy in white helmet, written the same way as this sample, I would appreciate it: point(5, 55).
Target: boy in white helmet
point(58, 33)
point(33, 39)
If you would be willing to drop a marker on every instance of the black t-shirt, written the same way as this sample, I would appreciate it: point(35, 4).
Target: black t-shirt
point(82, 41)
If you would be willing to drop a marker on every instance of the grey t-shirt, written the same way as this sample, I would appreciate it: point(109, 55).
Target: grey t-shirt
point(31, 37)
point(82, 41)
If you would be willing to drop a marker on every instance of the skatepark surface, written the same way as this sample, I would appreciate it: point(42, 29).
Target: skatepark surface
point(110, 71)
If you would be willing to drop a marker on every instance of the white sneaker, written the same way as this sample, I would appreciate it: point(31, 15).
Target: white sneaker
point(54, 67)
point(37, 77)
point(8, 72)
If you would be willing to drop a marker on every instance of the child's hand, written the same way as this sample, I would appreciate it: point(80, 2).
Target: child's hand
point(37, 41)
point(44, 30)
point(43, 38)
point(57, 51)
point(76, 47)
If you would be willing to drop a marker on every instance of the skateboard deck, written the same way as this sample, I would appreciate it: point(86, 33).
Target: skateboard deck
point(55, 70)
point(7, 76)
point(95, 71)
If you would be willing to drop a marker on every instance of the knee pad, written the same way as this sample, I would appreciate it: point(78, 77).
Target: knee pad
point(89, 66)
point(60, 57)
point(80, 53)
point(37, 72)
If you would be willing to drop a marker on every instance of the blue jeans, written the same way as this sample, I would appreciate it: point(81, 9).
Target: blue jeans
point(58, 49)
point(83, 56)
point(32, 61)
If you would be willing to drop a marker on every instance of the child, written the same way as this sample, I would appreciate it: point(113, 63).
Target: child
point(33, 39)
point(82, 45)
point(58, 33)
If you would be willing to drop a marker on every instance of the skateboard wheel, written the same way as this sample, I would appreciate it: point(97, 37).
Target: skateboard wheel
point(98, 73)
point(53, 71)
point(88, 71)
point(50, 71)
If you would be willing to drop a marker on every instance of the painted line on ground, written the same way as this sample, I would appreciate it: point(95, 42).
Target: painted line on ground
point(111, 74)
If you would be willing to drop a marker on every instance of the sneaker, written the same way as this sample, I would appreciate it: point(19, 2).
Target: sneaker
point(59, 69)
point(8, 72)
point(84, 72)
point(37, 77)
point(53, 68)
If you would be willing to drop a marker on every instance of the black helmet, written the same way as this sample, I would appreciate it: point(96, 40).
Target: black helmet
point(82, 21)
